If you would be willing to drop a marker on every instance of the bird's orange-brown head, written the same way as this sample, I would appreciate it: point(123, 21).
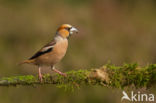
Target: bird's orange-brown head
point(66, 30)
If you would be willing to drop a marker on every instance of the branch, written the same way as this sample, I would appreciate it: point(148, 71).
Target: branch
point(108, 75)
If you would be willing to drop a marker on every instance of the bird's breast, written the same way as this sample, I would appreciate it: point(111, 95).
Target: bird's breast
point(60, 48)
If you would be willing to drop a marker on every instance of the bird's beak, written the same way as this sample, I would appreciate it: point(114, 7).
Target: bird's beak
point(73, 29)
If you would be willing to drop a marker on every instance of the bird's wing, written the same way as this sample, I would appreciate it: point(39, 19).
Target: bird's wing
point(47, 48)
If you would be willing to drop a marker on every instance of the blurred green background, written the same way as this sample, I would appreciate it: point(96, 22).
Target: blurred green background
point(120, 31)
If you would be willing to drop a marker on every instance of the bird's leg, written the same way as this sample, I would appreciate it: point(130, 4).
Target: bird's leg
point(57, 71)
point(39, 73)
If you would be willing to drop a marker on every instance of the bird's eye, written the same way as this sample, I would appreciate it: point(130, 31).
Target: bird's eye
point(67, 28)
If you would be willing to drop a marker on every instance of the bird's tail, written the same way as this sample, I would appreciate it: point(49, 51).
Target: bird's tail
point(26, 62)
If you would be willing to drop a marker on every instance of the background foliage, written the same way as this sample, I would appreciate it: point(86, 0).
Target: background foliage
point(110, 30)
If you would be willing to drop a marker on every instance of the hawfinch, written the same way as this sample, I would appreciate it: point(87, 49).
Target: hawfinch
point(54, 51)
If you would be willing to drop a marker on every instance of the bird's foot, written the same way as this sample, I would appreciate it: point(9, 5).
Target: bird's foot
point(40, 77)
point(63, 74)
point(57, 71)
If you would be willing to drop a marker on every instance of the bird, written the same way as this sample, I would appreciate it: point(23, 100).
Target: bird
point(52, 53)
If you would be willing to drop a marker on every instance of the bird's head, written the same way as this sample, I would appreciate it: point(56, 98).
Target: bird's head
point(66, 30)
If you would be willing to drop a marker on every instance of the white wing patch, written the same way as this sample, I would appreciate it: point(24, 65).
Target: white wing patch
point(46, 48)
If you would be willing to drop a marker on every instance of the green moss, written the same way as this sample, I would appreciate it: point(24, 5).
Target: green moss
point(14, 80)
point(132, 74)
point(73, 80)
point(118, 77)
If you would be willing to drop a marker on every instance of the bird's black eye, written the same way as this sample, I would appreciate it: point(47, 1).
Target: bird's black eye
point(68, 28)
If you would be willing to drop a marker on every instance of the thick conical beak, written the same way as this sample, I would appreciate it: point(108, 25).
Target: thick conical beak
point(73, 29)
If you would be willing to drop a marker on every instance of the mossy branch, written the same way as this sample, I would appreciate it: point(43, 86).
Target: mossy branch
point(108, 75)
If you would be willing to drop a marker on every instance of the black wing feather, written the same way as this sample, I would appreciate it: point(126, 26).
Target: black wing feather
point(41, 53)
point(49, 47)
